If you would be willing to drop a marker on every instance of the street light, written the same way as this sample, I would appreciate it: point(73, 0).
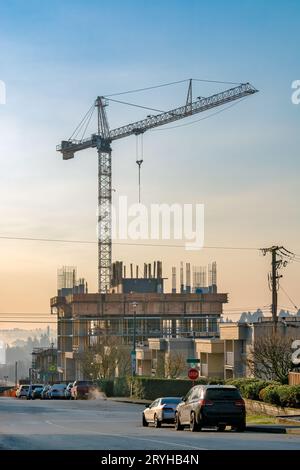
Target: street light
point(133, 352)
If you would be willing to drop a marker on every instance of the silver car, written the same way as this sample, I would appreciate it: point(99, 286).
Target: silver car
point(162, 410)
point(22, 391)
point(57, 391)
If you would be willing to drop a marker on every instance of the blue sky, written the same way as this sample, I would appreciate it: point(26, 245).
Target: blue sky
point(55, 57)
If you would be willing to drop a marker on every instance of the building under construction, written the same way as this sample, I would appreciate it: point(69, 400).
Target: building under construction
point(135, 309)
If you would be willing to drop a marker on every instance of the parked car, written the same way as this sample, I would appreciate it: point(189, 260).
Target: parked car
point(68, 391)
point(37, 392)
point(57, 391)
point(82, 389)
point(44, 393)
point(31, 389)
point(22, 391)
point(211, 405)
point(162, 410)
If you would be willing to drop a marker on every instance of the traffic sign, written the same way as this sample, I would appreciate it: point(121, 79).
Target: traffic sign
point(193, 374)
point(191, 360)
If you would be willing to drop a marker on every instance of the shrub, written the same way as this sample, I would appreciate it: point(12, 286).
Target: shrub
point(289, 395)
point(249, 387)
point(106, 386)
point(121, 386)
point(269, 394)
point(281, 395)
point(215, 381)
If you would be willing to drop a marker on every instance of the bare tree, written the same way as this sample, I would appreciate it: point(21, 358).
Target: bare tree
point(270, 358)
point(105, 357)
point(174, 365)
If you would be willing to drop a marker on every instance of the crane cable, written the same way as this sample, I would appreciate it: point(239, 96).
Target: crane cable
point(171, 83)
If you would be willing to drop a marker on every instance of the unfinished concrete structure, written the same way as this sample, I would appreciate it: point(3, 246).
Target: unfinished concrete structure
point(83, 319)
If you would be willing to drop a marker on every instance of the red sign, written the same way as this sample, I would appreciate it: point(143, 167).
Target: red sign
point(193, 374)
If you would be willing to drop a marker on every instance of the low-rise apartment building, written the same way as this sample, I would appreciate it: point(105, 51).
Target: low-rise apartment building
point(223, 355)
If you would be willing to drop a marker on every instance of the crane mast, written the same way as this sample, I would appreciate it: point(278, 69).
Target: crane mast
point(102, 142)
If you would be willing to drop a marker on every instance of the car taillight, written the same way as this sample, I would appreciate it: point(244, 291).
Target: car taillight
point(239, 403)
point(205, 402)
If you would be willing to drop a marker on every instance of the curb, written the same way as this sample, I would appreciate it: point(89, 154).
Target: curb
point(128, 400)
point(267, 429)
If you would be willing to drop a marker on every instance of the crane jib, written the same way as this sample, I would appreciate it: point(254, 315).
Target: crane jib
point(68, 147)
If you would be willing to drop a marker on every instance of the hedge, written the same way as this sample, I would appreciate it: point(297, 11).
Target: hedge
point(150, 388)
point(282, 395)
point(121, 387)
point(268, 391)
point(106, 386)
point(249, 387)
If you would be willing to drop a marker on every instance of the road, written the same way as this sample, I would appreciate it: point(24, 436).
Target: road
point(109, 425)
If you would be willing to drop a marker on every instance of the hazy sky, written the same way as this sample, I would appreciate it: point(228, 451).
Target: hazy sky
point(243, 164)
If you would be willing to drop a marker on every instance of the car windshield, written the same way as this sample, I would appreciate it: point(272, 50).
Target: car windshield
point(222, 394)
point(167, 401)
point(24, 387)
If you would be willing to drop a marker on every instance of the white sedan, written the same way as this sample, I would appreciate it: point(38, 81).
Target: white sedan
point(162, 410)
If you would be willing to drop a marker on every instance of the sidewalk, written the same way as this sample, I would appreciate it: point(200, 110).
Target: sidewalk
point(135, 401)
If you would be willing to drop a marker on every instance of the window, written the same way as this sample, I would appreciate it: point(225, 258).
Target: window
point(196, 393)
point(222, 394)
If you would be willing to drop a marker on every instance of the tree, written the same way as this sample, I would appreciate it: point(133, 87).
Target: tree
point(175, 365)
point(270, 358)
point(104, 358)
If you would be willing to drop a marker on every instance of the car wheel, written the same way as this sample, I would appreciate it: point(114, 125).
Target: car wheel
point(145, 422)
point(221, 427)
point(178, 425)
point(157, 423)
point(193, 424)
point(240, 427)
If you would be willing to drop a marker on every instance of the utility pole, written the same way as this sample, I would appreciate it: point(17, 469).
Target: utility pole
point(274, 287)
point(279, 260)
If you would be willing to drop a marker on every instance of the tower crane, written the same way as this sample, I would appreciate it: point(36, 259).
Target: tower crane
point(102, 142)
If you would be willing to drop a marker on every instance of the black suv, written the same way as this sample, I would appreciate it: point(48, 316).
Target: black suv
point(211, 405)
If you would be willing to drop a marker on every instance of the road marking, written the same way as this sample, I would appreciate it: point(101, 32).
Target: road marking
point(133, 437)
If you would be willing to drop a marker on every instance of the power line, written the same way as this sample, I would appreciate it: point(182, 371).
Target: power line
point(93, 242)
point(292, 302)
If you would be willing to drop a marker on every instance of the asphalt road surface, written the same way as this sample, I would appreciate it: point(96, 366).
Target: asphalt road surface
point(109, 425)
